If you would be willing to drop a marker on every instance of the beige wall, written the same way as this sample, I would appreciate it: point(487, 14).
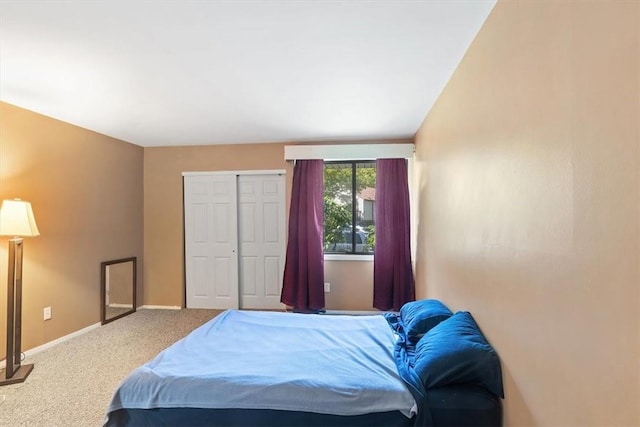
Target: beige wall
point(529, 206)
point(86, 193)
point(351, 285)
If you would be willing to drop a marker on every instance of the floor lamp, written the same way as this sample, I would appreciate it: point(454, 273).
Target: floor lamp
point(16, 220)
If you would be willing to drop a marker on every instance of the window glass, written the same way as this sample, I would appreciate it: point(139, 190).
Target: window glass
point(349, 207)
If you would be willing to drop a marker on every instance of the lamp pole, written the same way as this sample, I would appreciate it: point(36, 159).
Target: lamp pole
point(16, 219)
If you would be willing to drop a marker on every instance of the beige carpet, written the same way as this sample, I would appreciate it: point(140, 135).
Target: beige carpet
point(72, 383)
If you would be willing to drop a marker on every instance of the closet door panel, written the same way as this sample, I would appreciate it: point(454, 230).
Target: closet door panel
point(211, 241)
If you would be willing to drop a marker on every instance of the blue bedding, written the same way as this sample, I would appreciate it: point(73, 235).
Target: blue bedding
point(340, 365)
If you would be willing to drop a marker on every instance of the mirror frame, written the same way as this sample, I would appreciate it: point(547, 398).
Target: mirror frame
point(103, 288)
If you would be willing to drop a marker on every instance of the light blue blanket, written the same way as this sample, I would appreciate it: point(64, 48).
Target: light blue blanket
point(340, 365)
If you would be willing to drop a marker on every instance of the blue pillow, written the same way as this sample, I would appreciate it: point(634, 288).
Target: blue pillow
point(418, 317)
point(456, 352)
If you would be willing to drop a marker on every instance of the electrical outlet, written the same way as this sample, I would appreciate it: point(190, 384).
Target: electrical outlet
point(47, 313)
point(327, 287)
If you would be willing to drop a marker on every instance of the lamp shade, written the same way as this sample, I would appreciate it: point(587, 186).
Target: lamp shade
point(16, 219)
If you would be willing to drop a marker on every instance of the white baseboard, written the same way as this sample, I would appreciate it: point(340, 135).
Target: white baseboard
point(56, 342)
point(160, 307)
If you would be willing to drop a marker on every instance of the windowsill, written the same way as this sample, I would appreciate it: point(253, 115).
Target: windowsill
point(346, 257)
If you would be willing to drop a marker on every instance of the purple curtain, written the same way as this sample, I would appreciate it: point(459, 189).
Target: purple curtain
point(303, 283)
point(393, 283)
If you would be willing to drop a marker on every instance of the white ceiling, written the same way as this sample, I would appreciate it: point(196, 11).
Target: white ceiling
point(157, 73)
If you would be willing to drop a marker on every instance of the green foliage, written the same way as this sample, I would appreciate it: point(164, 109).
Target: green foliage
point(337, 181)
point(365, 178)
point(371, 237)
point(337, 184)
point(336, 217)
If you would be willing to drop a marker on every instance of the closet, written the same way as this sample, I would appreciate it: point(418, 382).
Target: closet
point(234, 230)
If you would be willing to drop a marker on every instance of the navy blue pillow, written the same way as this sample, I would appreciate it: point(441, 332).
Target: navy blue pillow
point(418, 317)
point(456, 352)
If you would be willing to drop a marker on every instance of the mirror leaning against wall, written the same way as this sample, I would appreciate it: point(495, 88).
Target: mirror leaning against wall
point(118, 288)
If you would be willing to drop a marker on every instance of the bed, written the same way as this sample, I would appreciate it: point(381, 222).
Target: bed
point(247, 368)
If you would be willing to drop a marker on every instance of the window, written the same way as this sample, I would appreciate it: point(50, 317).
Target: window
point(349, 207)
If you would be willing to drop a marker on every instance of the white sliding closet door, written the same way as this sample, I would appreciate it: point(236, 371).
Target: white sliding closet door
point(261, 225)
point(211, 241)
point(234, 240)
